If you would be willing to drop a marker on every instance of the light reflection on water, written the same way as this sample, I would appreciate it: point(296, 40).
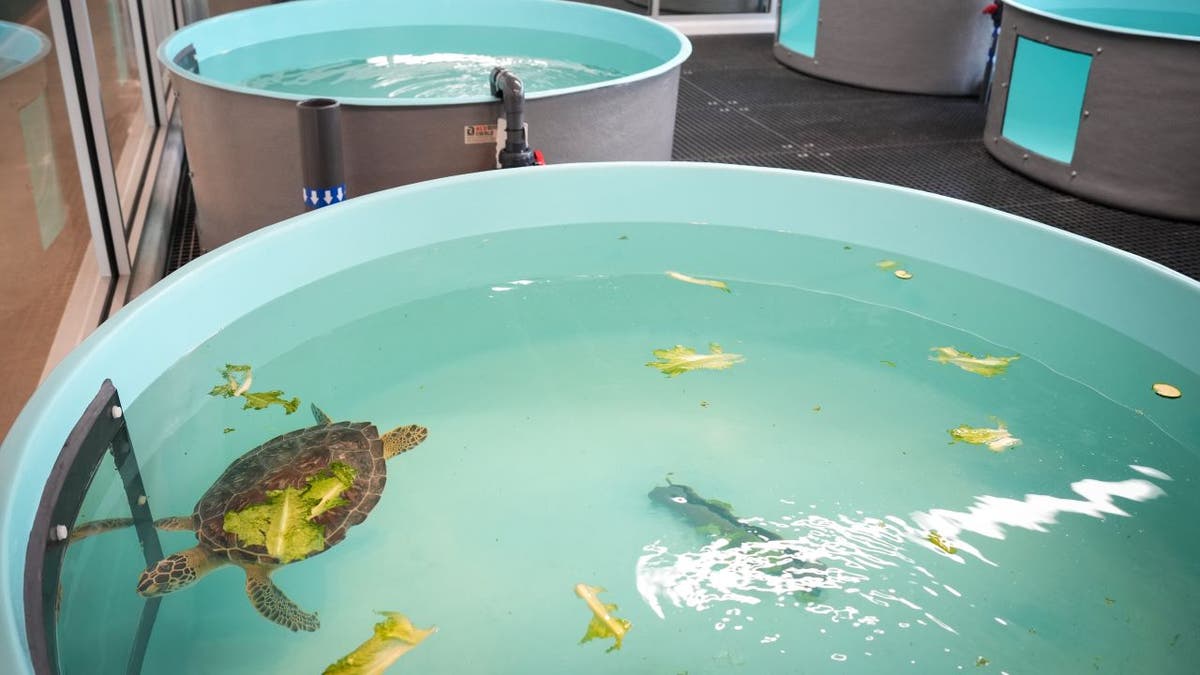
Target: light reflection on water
point(441, 75)
point(829, 562)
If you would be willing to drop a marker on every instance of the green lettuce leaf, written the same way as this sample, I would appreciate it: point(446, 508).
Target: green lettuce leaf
point(987, 366)
point(237, 383)
point(680, 359)
point(281, 525)
point(603, 624)
point(261, 399)
point(326, 488)
point(394, 637)
point(996, 440)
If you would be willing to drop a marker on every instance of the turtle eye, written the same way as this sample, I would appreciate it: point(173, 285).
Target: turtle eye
point(679, 500)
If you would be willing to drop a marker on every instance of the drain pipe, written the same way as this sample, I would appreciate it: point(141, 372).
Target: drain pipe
point(324, 175)
point(516, 151)
point(996, 12)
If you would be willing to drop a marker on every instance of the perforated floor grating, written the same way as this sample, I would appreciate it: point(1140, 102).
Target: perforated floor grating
point(185, 245)
point(737, 105)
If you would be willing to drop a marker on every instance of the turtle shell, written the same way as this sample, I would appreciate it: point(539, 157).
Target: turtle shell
point(288, 461)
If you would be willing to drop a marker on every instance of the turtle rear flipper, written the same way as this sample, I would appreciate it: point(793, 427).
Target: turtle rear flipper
point(171, 523)
point(273, 604)
point(320, 416)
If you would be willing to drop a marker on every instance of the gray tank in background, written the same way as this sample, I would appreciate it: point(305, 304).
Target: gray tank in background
point(243, 144)
point(912, 46)
point(1110, 113)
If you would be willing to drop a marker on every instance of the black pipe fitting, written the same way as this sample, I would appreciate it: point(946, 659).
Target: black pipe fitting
point(508, 88)
point(324, 172)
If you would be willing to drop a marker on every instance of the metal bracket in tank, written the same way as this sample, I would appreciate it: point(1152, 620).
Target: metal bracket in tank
point(186, 59)
point(101, 429)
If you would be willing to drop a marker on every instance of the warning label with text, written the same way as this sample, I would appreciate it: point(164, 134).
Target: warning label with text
point(479, 133)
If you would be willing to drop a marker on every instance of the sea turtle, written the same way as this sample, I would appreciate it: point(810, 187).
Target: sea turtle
point(260, 490)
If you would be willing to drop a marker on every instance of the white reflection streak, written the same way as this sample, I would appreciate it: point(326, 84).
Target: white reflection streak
point(990, 514)
point(837, 554)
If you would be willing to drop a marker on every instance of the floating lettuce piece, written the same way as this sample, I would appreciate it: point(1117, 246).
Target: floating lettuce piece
point(936, 539)
point(281, 525)
point(700, 282)
point(229, 430)
point(997, 440)
point(680, 359)
point(886, 264)
point(394, 637)
point(326, 488)
point(238, 379)
point(604, 624)
point(986, 366)
point(260, 400)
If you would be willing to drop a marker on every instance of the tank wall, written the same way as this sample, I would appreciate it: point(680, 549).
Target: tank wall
point(190, 306)
point(918, 46)
point(1126, 136)
point(247, 175)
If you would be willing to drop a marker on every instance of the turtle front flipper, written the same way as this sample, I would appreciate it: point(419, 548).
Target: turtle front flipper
point(178, 570)
point(172, 523)
point(273, 604)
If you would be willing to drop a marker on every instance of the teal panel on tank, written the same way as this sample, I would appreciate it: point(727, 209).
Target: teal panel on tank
point(1045, 98)
point(798, 25)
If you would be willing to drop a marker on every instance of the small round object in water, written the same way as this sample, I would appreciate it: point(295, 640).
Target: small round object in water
point(1166, 390)
point(903, 274)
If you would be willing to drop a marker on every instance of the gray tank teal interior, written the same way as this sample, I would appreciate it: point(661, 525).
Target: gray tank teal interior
point(1100, 98)
point(917, 46)
point(600, 84)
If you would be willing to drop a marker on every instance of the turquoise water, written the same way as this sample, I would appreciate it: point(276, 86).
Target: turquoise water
point(428, 76)
point(524, 354)
point(1157, 21)
point(423, 62)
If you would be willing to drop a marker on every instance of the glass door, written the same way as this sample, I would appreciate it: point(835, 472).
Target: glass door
point(45, 233)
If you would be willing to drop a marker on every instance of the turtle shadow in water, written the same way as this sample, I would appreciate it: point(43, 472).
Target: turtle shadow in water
point(353, 452)
point(716, 518)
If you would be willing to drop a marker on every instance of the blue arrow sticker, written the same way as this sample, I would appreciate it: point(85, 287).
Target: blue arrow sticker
point(315, 198)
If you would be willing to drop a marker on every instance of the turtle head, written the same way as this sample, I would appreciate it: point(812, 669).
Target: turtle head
point(670, 494)
point(403, 439)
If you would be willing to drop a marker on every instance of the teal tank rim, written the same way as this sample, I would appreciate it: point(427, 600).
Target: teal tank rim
point(1031, 6)
point(210, 292)
point(233, 30)
point(23, 44)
